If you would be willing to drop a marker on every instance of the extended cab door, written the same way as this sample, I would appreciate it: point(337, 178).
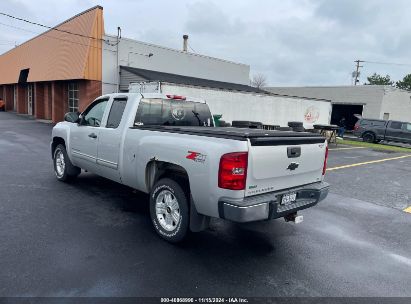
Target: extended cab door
point(84, 136)
point(110, 138)
point(394, 131)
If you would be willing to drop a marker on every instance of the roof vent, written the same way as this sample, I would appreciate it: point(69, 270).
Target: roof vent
point(185, 43)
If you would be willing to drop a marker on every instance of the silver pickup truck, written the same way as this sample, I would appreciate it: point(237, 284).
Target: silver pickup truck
point(167, 146)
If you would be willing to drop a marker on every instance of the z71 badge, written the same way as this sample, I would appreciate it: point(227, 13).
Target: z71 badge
point(196, 156)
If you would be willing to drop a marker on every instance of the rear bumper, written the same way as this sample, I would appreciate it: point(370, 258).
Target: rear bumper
point(267, 206)
point(357, 133)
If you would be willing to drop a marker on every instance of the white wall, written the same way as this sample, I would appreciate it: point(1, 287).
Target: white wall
point(268, 109)
point(131, 53)
point(109, 68)
point(369, 95)
point(397, 103)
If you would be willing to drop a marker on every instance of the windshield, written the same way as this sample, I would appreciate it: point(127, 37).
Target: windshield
point(171, 112)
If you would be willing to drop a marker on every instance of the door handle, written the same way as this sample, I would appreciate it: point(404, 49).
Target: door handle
point(92, 135)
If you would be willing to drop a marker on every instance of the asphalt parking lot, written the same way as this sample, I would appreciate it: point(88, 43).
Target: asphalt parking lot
point(94, 237)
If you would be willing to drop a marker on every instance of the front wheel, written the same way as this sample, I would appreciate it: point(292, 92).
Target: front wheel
point(169, 210)
point(63, 168)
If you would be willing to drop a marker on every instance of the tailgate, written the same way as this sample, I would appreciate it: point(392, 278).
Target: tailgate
point(282, 163)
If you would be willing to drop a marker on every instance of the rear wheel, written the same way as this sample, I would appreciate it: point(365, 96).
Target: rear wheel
point(169, 210)
point(369, 137)
point(63, 168)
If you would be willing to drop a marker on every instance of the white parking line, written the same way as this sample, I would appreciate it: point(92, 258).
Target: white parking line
point(368, 162)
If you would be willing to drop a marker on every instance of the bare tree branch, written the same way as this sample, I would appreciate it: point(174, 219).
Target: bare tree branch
point(259, 80)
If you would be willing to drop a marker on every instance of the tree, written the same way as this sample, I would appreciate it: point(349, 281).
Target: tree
point(405, 83)
point(377, 79)
point(259, 80)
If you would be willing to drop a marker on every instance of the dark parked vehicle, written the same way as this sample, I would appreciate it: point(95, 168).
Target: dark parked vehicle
point(375, 130)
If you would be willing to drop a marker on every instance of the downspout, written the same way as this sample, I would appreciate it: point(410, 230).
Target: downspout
point(117, 60)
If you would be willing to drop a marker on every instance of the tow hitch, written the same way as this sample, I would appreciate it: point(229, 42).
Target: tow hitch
point(293, 217)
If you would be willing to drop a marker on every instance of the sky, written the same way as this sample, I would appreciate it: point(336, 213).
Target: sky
point(291, 42)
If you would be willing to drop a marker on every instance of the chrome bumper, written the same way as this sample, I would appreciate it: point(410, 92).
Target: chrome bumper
point(267, 206)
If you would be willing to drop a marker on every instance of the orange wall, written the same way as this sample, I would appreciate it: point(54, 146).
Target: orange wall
point(56, 55)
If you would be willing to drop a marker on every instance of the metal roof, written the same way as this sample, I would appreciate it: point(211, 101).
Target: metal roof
point(180, 79)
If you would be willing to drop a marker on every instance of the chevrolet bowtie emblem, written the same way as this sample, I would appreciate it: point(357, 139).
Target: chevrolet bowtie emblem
point(293, 166)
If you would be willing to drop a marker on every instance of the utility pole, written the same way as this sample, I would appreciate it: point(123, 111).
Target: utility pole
point(357, 71)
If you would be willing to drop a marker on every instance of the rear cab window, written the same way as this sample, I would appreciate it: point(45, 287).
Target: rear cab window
point(171, 112)
point(373, 123)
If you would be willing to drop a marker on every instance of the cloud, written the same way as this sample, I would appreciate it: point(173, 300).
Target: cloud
point(205, 17)
point(351, 13)
point(292, 42)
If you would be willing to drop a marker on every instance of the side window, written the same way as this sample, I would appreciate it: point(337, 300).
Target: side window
point(396, 125)
point(94, 113)
point(116, 112)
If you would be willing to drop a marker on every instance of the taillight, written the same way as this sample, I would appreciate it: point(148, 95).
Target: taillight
point(177, 97)
point(232, 173)
point(325, 160)
point(356, 126)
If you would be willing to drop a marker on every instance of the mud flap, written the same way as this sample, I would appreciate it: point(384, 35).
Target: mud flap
point(198, 222)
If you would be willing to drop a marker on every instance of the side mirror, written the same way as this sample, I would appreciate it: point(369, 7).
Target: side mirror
point(71, 117)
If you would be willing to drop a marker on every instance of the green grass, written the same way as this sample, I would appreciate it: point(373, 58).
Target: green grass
point(373, 146)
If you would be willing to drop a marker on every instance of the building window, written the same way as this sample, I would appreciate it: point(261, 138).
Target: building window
point(73, 97)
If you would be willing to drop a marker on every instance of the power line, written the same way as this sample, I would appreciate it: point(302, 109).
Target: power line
point(387, 63)
point(49, 27)
point(191, 48)
point(58, 30)
point(45, 35)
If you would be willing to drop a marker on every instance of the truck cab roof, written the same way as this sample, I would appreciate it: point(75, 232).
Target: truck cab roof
point(154, 96)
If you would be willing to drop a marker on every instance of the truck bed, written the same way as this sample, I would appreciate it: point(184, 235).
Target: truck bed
point(257, 137)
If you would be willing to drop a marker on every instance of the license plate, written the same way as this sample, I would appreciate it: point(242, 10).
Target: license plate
point(288, 198)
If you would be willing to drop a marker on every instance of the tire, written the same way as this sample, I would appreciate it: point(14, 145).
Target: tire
point(246, 124)
point(368, 137)
point(223, 123)
point(295, 124)
point(298, 129)
point(65, 171)
point(284, 129)
point(168, 201)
